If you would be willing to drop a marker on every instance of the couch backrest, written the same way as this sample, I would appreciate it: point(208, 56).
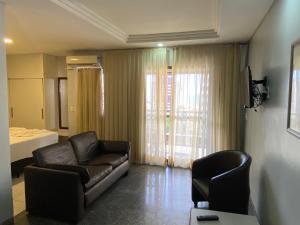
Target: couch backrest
point(85, 146)
point(61, 153)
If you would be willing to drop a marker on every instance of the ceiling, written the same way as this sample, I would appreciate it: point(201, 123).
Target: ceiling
point(60, 27)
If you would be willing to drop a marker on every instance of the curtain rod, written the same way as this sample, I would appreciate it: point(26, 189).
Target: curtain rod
point(84, 67)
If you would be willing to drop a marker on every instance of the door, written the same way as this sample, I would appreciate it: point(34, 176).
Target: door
point(63, 102)
point(26, 103)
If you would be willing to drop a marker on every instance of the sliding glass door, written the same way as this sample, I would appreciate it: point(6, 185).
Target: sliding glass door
point(177, 128)
point(189, 118)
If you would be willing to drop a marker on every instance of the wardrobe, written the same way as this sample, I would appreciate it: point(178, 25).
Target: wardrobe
point(32, 84)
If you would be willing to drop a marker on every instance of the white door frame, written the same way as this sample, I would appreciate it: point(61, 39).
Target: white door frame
point(6, 212)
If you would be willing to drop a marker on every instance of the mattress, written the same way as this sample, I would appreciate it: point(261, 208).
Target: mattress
point(23, 141)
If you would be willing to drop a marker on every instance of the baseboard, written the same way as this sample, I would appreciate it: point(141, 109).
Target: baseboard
point(252, 210)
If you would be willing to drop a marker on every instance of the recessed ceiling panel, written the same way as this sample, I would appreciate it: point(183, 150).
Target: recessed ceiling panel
point(157, 16)
point(61, 26)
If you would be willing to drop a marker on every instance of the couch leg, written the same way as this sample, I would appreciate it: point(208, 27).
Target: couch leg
point(195, 204)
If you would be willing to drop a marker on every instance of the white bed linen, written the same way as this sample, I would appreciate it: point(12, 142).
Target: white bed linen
point(23, 141)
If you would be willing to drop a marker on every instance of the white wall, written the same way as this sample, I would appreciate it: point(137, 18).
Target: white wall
point(61, 66)
point(25, 66)
point(50, 66)
point(62, 72)
point(5, 176)
point(36, 65)
point(51, 105)
point(275, 172)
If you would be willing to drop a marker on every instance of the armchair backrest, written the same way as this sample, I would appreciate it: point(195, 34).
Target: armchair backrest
point(231, 159)
point(229, 191)
point(228, 172)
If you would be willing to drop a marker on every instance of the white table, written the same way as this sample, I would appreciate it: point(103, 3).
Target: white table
point(224, 218)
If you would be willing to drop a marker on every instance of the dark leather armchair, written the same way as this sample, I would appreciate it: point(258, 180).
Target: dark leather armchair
point(222, 179)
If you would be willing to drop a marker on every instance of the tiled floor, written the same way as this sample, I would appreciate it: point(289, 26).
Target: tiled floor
point(18, 198)
point(18, 195)
point(148, 195)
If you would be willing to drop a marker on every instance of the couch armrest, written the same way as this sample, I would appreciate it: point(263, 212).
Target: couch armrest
point(81, 170)
point(54, 193)
point(120, 147)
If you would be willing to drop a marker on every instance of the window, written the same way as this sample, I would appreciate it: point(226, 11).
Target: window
point(184, 104)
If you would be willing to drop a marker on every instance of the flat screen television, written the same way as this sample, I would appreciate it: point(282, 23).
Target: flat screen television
point(249, 100)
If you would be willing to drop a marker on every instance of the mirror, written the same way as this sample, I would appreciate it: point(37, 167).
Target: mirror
point(63, 102)
point(293, 123)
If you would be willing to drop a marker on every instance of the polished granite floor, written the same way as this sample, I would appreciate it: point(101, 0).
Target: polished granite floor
point(148, 195)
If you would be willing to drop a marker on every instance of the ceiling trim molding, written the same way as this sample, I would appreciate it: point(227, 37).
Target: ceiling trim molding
point(174, 36)
point(91, 17)
point(217, 14)
point(79, 9)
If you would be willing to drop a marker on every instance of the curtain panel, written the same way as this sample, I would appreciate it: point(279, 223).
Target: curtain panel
point(90, 101)
point(173, 117)
point(221, 63)
point(155, 73)
point(226, 98)
point(125, 95)
point(191, 105)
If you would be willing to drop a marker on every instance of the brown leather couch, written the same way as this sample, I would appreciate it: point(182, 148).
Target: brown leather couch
point(222, 179)
point(69, 176)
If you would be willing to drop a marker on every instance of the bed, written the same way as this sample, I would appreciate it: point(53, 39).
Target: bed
point(23, 141)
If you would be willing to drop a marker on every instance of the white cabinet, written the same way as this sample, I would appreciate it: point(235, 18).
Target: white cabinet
point(33, 91)
point(26, 103)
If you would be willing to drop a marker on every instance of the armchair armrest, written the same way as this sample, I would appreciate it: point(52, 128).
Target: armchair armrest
point(120, 147)
point(81, 170)
point(235, 183)
point(54, 193)
point(205, 167)
point(237, 178)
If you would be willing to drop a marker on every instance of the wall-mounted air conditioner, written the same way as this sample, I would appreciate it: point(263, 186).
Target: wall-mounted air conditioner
point(82, 60)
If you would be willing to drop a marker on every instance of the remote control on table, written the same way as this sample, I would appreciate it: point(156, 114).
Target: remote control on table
point(207, 218)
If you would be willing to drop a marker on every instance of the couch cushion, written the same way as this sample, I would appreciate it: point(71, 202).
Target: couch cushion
point(108, 159)
point(118, 147)
point(97, 173)
point(85, 146)
point(202, 185)
point(61, 153)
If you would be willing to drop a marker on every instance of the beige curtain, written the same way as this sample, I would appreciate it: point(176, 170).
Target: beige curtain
point(125, 100)
point(173, 117)
point(155, 72)
point(226, 101)
point(190, 110)
point(90, 101)
point(205, 102)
